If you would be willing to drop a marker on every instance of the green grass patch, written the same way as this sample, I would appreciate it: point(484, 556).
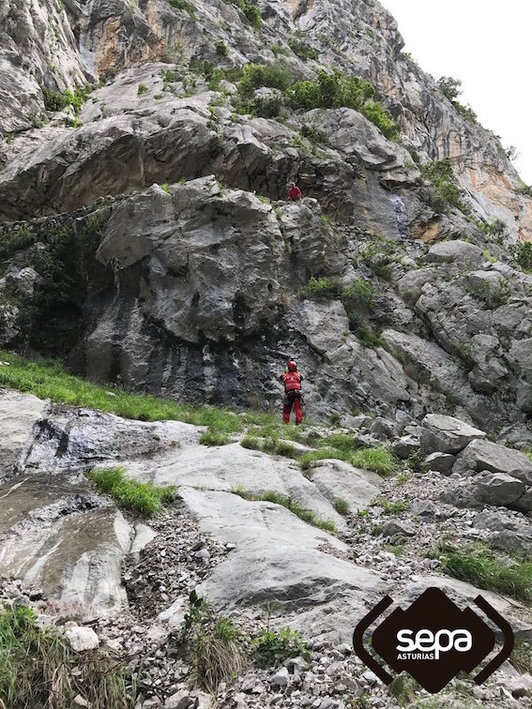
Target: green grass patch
point(289, 503)
point(38, 668)
point(521, 657)
point(392, 508)
point(48, 380)
point(144, 499)
point(379, 460)
point(341, 506)
point(480, 567)
point(214, 438)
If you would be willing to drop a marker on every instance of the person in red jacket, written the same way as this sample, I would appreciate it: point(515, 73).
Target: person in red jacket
point(292, 379)
point(294, 193)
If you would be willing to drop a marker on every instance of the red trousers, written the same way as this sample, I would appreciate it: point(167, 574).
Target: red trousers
point(292, 399)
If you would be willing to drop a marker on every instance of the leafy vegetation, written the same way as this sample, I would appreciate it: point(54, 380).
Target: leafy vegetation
point(213, 646)
point(338, 90)
point(38, 668)
point(221, 48)
point(447, 192)
point(141, 498)
point(56, 101)
point(66, 267)
point(302, 49)
point(183, 5)
point(250, 10)
point(275, 647)
point(522, 253)
point(393, 508)
point(316, 136)
point(256, 75)
point(452, 88)
point(478, 566)
point(142, 89)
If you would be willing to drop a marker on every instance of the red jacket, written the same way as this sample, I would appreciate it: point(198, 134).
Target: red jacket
point(294, 193)
point(292, 381)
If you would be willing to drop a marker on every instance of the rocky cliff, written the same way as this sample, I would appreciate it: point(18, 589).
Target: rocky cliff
point(199, 289)
point(146, 240)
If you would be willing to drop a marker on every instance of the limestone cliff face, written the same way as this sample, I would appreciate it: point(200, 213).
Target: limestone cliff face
point(198, 289)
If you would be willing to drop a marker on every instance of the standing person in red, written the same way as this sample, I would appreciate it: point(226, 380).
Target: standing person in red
point(292, 379)
point(294, 193)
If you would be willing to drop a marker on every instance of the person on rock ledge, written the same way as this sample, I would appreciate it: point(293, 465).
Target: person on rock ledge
point(292, 379)
point(294, 193)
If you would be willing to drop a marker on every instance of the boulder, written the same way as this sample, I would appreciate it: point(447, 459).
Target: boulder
point(396, 530)
point(482, 455)
point(439, 462)
point(445, 434)
point(461, 252)
point(498, 488)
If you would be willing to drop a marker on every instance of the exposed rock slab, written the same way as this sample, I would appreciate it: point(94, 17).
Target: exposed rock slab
point(18, 415)
point(278, 556)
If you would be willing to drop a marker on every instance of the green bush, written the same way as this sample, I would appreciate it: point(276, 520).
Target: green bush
point(323, 288)
point(56, 101)
point(447, 192)
point(359, 293)
point(275, 647)
point(302, 49)
point(338, 90)
point(452, 88)
point(142, 498)
point(375, 113)
point(142, 89)
point(222, 50)
point(38, 668)
point(316, 136)
point(523, 255)
point(250, 10)
point(183, 5)
point(256, 75)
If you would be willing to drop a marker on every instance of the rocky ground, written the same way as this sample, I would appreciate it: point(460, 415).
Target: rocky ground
point(146, 241)
point(241, 555)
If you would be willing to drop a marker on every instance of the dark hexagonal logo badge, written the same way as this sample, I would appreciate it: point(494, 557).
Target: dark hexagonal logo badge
point(433, 640)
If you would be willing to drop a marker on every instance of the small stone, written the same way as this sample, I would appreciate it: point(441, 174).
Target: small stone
point(370, 677)
point(280, 678)
point(82, 639)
